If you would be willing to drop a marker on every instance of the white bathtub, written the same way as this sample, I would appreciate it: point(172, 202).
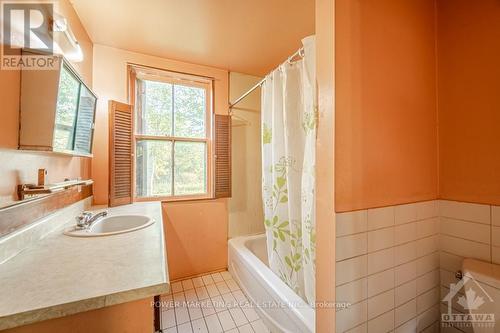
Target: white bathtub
point(248, 265)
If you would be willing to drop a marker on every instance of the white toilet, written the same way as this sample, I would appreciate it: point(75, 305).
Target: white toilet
point(477, 296)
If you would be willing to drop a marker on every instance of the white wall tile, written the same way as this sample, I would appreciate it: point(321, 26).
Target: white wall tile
point(442, 293)
point(433, 328)
point(428, 299)
point(351, 317)
point(351, 269)
point(427, 209)
point(405, 273)
point(405, 213)
point(465, 248)
point(465, 211)
point(467, 230)
point(495, 215)
point(380, 304)
point(405, 292)
point(409, 326)
point(428, 227)
point(380, 217)
point(450, 262)
point(446, 278)
point(495, 254)
point(351, 246)
point(427, 245)
point(405, 233)
point(427, 282)
point(382, 324)
point(363, 328)
point(450, 330)
point(405, 312)
point(427, 318)
point(380, 239)
point(381, 260)
point(495, 236)
point(351, 222)
point(457, 308)
point(427, 263)
point(352, 292)
point(380, 282)
point(400, 275)
point(405, 253)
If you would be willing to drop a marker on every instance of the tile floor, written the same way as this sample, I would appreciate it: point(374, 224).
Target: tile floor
point(211, 303)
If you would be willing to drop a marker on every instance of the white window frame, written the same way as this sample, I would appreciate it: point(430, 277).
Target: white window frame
point(175, 78)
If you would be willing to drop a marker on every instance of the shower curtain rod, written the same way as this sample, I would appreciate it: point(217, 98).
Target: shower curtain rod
point(300, 53)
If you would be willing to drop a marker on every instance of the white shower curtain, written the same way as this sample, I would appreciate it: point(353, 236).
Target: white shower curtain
point(289, 112)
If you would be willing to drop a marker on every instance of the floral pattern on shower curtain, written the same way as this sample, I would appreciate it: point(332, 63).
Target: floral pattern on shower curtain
point(289, 115)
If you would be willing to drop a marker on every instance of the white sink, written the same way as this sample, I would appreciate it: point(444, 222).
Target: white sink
point(112, 225)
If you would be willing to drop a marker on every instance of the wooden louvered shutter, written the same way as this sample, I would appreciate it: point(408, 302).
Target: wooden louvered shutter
point(120, 153)
point(222, 156)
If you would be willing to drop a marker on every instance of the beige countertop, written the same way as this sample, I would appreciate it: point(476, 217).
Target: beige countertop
point(60, 275)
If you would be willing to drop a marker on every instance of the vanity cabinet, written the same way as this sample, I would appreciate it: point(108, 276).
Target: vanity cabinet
point(57, 111)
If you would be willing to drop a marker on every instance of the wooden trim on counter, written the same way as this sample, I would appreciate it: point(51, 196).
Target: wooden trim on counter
point(17, 216)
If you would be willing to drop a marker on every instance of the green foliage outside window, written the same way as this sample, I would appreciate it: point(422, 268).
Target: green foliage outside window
point(166, 166)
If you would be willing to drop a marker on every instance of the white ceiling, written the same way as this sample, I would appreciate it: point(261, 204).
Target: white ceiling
point(248, 36)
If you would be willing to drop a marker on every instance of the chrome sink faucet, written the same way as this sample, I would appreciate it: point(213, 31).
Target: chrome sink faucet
point(85, 220)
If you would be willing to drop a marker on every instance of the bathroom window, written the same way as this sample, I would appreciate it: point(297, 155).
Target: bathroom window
point(172, 135)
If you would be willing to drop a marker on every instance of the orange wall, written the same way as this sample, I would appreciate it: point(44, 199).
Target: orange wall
point(129, 317)
point(196, 231)
point(21, 167)
point(468, 42)
point(386, 127)
point(196, 234)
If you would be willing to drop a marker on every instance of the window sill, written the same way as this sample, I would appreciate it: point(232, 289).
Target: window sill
point(177, 199)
